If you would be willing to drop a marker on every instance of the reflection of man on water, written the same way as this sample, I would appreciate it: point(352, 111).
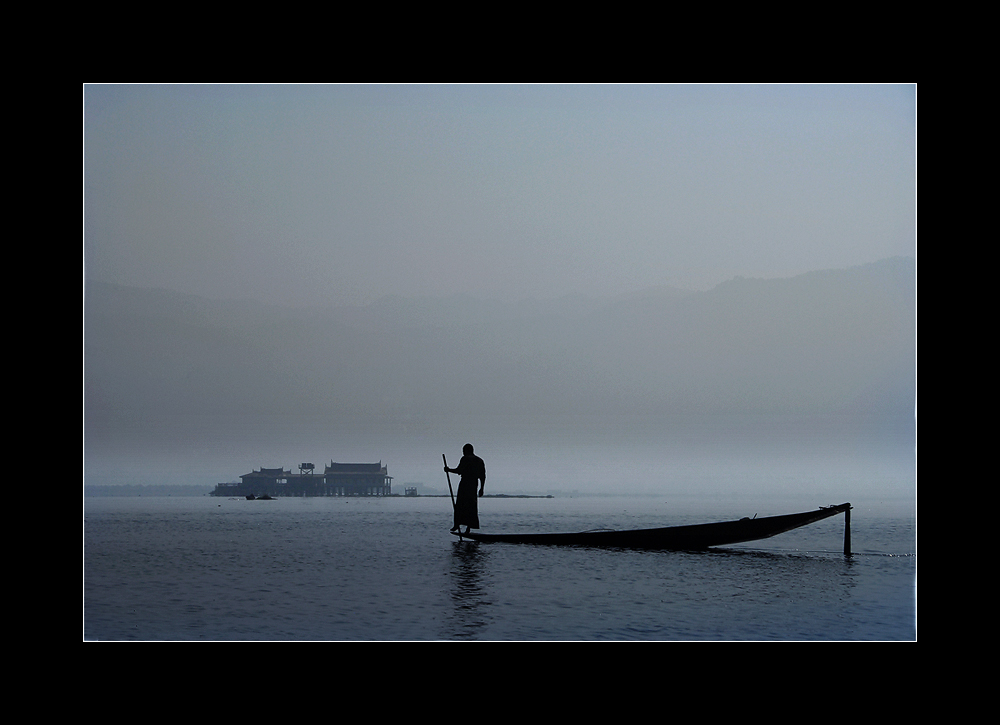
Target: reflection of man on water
point(473, 470)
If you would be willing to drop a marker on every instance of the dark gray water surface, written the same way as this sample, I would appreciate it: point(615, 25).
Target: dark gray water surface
point(201, 568)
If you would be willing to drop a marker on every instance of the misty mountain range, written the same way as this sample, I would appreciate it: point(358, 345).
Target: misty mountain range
point(835, 341)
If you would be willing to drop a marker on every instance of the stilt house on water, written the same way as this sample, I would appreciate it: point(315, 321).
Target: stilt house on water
point(339, 479)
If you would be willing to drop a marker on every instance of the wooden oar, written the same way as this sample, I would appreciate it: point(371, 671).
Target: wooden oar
point(448, 475)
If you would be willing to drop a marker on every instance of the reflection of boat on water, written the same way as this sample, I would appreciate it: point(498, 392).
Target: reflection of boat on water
point(690, 537)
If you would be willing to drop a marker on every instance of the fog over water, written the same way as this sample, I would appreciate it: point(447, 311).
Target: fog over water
point(627, 289)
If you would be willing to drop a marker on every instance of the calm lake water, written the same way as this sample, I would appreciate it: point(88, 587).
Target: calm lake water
point(204, 568)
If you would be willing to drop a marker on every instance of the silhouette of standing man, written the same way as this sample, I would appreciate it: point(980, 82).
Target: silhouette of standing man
point(473, 470)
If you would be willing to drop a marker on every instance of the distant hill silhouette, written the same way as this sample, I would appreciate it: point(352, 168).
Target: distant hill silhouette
point(827, 342)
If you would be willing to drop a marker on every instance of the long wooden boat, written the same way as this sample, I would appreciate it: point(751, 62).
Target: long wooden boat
point(690, 537)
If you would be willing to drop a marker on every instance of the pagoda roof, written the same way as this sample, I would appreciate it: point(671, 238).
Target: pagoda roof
point(267, 473)
point(355, 467)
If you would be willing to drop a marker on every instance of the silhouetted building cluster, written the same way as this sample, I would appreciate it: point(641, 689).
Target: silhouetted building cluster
point(339, 479)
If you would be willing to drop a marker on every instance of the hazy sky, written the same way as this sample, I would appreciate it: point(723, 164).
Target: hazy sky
point(343, 193)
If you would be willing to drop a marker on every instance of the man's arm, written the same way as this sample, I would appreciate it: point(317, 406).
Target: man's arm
point(460, 470)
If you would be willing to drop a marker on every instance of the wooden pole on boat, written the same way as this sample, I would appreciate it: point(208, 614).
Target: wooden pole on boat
point(847, 531)
point(448, 476)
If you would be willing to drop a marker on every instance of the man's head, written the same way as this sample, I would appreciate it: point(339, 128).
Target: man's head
point(467, 449)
